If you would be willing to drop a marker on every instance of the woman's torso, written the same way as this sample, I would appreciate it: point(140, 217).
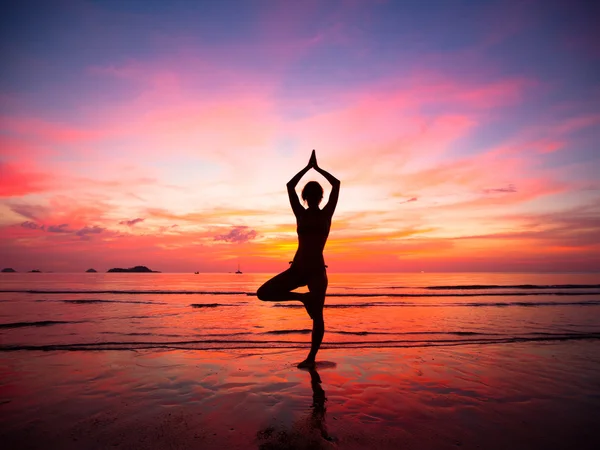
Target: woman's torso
point(313, 230)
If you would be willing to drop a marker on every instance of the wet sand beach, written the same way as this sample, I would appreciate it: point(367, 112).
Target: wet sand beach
point(519, 396)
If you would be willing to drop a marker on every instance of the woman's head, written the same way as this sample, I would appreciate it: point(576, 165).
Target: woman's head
point(312, 193)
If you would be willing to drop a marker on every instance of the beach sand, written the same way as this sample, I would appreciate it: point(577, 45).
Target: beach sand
point(506, 396)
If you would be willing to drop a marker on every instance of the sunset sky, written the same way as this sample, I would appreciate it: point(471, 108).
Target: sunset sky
point(465, 133)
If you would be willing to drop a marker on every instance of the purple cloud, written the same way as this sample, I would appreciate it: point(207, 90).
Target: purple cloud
point(239, 234)
point(509, 189)
point(166, 228)
point(85, 231)
point(62, 228)
point(414, 199)
point(32, 225)
point(32, 212)
point(131, 222)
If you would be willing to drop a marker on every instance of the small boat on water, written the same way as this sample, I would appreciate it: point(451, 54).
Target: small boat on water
point(238, 271)
point(196, 273)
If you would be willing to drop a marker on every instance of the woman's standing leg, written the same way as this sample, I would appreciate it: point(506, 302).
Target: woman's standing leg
point(318, 288)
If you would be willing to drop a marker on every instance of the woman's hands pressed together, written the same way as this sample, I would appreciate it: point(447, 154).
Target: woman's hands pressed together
point(312, 163)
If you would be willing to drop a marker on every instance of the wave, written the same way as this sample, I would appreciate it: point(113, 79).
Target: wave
point(415, 333)
point(213, 305)
point(153, 316)
point(142, 334)
point(124, 292)
point(172, 335)
point(477, 304)
point(227, 344)
point(569, 292)
point(487, 286)
point(303, 331)
point(43, 323)
point(84, 302)
point(518, 286)
point(380, 333)
point(461, 294)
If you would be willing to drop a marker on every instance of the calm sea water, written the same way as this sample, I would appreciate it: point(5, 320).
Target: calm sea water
point(131, 311)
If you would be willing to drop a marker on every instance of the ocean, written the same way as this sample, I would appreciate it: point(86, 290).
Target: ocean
point(100, 311)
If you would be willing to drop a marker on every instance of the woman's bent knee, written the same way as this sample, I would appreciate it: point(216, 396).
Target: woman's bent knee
point(262, 293)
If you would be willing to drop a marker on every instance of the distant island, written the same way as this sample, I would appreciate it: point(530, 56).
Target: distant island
point(136, 269)
point(35, 271)
point(8, 270)
point(91, 271)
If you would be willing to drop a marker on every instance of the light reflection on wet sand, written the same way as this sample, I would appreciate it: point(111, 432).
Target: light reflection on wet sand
point(542, 395)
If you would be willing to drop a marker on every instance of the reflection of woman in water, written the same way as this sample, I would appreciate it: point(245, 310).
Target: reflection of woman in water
point(309, 431)
point(308, 266)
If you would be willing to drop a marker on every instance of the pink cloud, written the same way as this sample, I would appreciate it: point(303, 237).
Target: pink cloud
point(22, 148)
point(58, 133)
point(237, 234)
point(18, 179)
point(577, 123)
point(548, 135)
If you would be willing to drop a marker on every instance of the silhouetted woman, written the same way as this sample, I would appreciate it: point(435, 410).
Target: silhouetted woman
point(308, 266)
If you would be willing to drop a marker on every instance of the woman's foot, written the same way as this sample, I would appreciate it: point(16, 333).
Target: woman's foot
point(307, 364)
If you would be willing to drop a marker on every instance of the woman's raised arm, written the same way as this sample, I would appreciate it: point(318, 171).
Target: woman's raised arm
point(291, 186)
point(335, 187)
